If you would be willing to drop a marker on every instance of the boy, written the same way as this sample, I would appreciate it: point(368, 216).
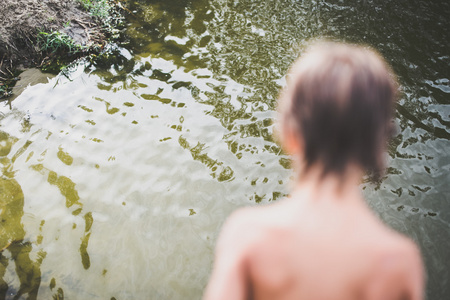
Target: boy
point(323, 242)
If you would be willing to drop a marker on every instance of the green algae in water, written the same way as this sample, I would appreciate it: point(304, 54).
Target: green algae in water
point(66, 187)
point(12, 236)
point(11, 204)
point(65, 157)
point(85, 259)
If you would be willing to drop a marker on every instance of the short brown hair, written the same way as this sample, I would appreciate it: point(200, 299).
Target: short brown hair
point(339, 102)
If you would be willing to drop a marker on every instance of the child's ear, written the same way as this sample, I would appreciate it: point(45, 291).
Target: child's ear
point(292, 143)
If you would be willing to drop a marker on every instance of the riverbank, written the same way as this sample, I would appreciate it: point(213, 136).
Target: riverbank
point(37, 33)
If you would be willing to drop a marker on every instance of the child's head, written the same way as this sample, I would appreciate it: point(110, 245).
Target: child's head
point(337, 108)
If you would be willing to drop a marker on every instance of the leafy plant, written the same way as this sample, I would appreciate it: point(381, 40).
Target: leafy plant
point(97, 8)
point(5, 91)
point(7, 84)
point(55, 41)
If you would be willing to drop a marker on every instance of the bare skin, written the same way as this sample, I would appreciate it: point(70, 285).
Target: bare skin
point(322, 243)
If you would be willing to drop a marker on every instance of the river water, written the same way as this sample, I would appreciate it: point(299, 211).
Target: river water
point(118, 173)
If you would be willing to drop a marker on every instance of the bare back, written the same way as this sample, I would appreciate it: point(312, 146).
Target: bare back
point(321, 251)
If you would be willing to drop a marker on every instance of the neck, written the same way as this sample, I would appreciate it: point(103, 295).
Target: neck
point(342, 188)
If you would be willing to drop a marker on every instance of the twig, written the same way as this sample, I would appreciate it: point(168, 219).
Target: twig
point(42, 63)
point(123, 7)
point(83, 23)
point(11, 73)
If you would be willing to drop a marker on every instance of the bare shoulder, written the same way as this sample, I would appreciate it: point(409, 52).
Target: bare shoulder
point(402, 253)
point(229, 279)
point(398, 272)
point(239, 230)
point(247, 227)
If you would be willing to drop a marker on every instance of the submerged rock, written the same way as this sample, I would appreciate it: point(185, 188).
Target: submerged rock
point(29, 77)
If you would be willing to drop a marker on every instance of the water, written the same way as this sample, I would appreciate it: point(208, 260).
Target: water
point(117, 176)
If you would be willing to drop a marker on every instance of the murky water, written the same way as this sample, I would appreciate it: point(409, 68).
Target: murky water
point(117, 177)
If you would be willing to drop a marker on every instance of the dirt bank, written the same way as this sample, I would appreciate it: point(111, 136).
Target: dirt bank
point(22, 20)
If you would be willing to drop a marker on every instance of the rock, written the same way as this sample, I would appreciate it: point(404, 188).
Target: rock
point(29, 77)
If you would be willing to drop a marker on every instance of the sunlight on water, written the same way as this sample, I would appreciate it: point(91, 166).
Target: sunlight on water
point(118, 174)
point(132, 186)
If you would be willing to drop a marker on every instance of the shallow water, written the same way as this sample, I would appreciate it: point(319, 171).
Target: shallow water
point(117, 175)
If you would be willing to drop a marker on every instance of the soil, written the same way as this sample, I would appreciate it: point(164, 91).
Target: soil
point(22, 20)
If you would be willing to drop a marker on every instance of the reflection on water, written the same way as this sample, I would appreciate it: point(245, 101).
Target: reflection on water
point(14, 249)
point(116, 180)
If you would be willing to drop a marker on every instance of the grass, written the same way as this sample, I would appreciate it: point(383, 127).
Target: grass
point(57, 45)
point(7, 81)
point(57, 41)
point(5, 91)
point(97, 8)
point(107, 12)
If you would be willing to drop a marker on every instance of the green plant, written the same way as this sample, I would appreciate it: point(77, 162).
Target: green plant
point(7, 84)
point(97, 8)
point(106, 12)
point(5, 91)
point(55, 41)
